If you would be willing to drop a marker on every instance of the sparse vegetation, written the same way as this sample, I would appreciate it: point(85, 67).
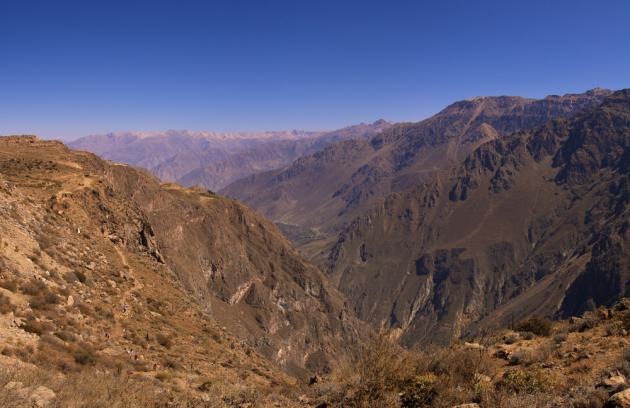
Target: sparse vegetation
point(9, 284)
point(535, 325)
point(5, 304)
point(84, 355)
point(163, 340)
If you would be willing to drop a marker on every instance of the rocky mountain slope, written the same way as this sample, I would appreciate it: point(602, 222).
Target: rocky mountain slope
point(317, 195)
point(212, 159)
point(582, 362)
point(535, 223)
point(100, 263)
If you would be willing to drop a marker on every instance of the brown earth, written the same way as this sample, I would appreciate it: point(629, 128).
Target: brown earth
point(531, 224)
point(101, 265)
point(316, 196)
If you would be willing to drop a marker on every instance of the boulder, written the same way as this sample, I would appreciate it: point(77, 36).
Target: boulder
point(619, 400)
point(42, 396)
point(614, 384)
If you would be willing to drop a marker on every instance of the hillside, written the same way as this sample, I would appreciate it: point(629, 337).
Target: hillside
point(535, 223)
point(103, 266)
point(318, 195)
point(579, 363)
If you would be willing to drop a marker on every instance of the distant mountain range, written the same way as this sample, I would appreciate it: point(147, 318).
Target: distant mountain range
point(214, 159)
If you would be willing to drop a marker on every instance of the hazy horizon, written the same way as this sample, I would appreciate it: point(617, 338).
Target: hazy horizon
point(78, 69)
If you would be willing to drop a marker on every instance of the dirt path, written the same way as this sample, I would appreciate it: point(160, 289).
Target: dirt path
point(123, 311)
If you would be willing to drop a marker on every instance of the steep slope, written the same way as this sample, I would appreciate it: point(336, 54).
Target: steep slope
point(534, 223)
point(87, 309)
point(162, 255)
point(325, 191)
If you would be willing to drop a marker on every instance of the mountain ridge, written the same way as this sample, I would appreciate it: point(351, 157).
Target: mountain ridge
point(518, 219)
point(325, 191)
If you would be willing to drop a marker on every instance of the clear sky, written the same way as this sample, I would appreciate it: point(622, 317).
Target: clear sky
point(68, 69)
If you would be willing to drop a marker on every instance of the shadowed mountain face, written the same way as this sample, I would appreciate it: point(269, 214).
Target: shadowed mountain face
point(213, 160)
point(234, 266)
point(317, 195)
point(535, 223)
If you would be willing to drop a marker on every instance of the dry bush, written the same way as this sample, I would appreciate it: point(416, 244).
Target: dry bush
point(521, 381)
point(374, 376)
point(560, 337)
point(44, 300)
point(529, 356)
point(33, 287)
point(9, 284)
point(583, 325)
point(5, 304)
point(84, 354)
point(96, 390)
point(511, 338)
point(33, 326)
point(384, 375)
point(76, 276)
point(163, 340)
point(535, 325)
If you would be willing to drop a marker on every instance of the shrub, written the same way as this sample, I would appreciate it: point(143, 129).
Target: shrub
point(163, 340)
point(527, 335)
point(511, 338)
point(376, 375)
point(75, 276)
point(33, 326)
point(524, 381)
point(44, 300)
point(81, 276)
point(583, 325)
point(163, 376)
point(560, 337)
point(419, 391)
point(84, 355)
point(536, 325)
point(5, 305)
point(9, 284)
point(34, 287)
point(66, 336)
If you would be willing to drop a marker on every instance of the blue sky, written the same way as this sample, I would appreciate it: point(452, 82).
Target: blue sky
point(68, 69)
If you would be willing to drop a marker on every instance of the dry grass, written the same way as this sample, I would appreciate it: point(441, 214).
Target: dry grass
point(540, 370)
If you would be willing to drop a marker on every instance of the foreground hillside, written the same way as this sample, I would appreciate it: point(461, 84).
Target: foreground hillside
point(103, 268)
point(580, 363)
point(531, 224)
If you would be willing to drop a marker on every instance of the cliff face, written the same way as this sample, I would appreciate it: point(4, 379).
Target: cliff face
point(222, 262)
point(322, 193)
point(533, 223)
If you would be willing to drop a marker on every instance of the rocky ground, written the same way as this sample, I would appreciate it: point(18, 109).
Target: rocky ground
point(583, 362)
point(95, 312)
